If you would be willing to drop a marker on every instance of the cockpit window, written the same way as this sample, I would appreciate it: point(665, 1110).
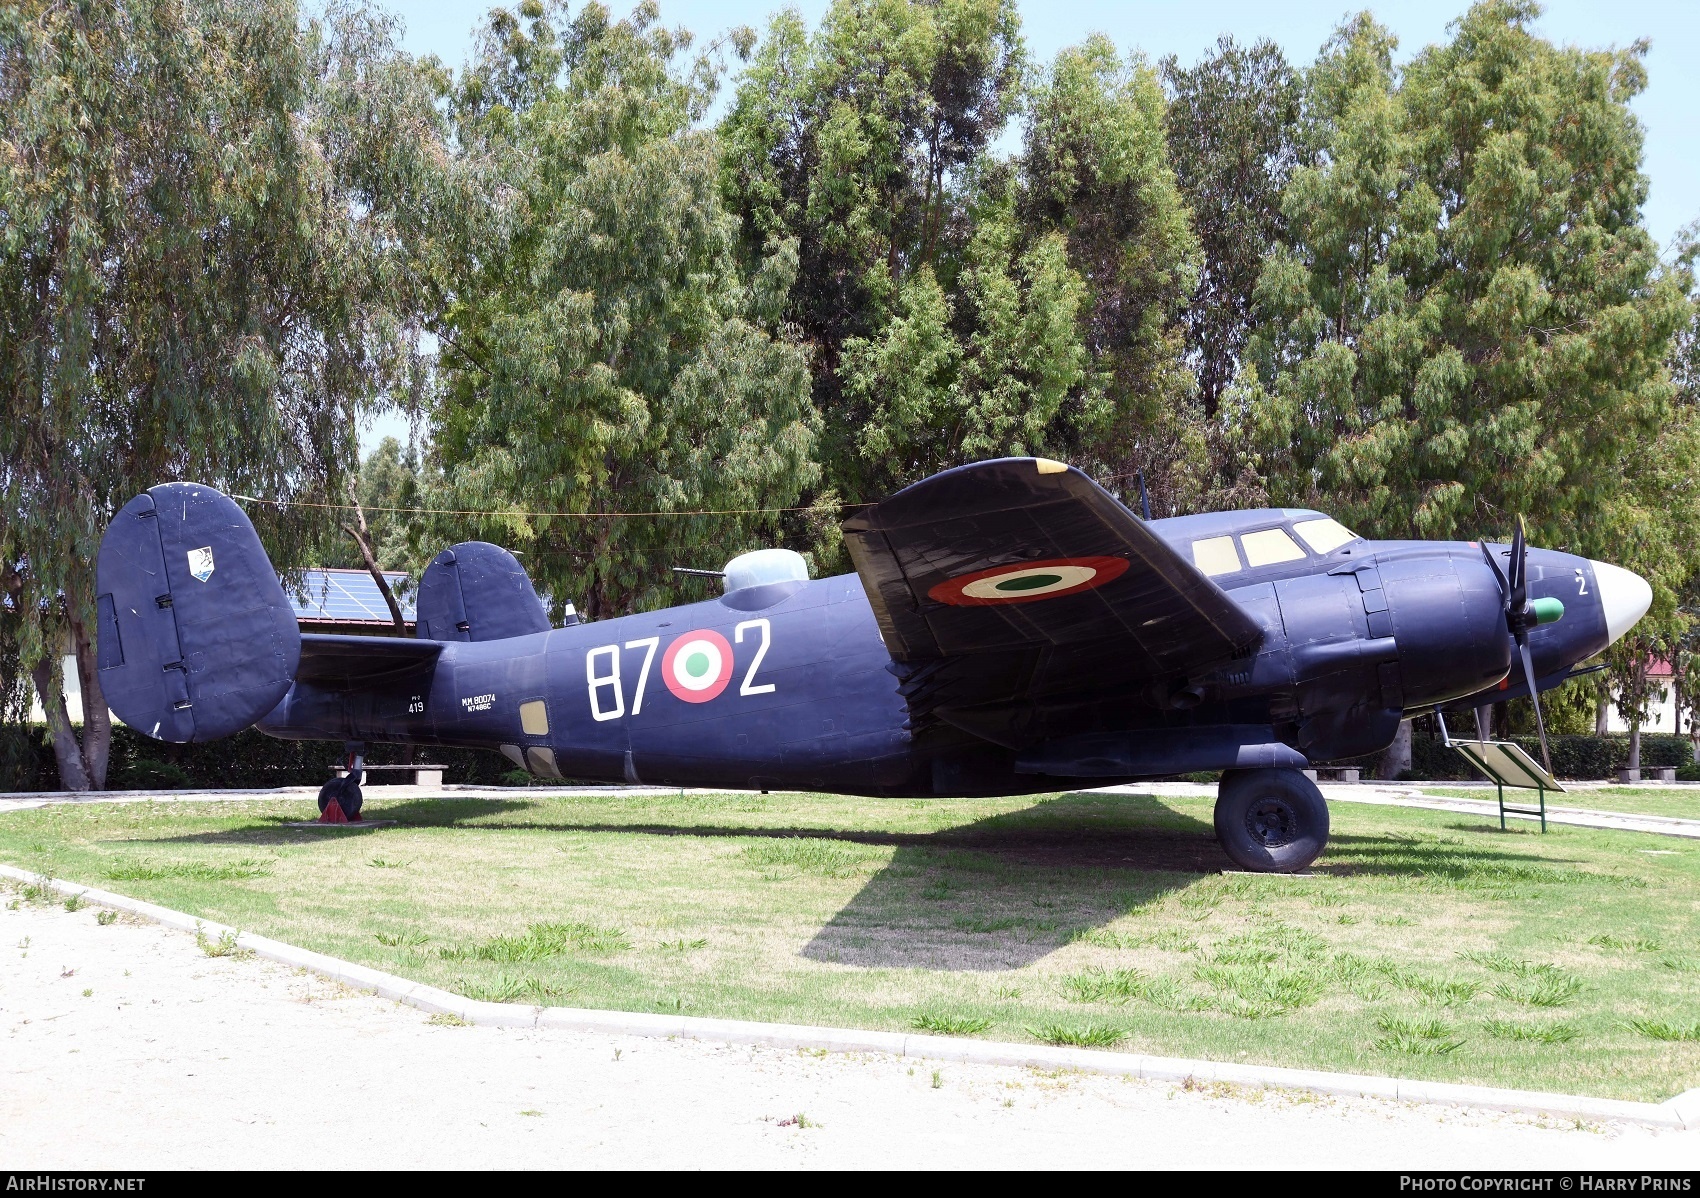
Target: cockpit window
point(1215, 555)
point(1269, 546)
point(1324, 535)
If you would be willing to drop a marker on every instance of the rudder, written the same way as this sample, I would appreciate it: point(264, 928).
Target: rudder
point(476, 591)
point(196, 637)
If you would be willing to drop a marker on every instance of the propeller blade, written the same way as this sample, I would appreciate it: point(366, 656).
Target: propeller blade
point(1493, 562)
point(1535, 698)
point(1519, 570)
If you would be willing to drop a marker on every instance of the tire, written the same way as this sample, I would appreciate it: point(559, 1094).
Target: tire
point(1271, 821)
point(346, 791)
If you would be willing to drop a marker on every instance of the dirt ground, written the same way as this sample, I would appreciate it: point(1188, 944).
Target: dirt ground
point(126, 1047)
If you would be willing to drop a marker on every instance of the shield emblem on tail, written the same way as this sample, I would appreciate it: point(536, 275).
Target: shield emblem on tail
point(201, 563)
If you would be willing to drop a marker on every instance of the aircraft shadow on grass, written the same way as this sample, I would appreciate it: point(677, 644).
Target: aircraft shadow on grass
point(986, 896)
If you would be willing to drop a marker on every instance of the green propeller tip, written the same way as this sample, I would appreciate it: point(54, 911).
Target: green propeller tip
point(1548, 610)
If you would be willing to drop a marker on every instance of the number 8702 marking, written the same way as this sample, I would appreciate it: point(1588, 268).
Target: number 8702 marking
point(607, 694)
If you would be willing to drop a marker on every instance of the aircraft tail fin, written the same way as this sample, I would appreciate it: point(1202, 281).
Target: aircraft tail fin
point(196, 639)
point(476, 591)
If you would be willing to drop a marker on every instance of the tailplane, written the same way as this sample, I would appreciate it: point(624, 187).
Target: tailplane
point(196, 637)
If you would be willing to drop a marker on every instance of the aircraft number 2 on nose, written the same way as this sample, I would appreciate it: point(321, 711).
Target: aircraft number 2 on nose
point(696, 667)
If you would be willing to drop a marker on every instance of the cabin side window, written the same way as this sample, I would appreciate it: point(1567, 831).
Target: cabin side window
point(1216, 555)
point(1269, 546)
point(1324, 535)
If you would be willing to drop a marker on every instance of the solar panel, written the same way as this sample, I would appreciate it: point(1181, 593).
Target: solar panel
point(345, 596)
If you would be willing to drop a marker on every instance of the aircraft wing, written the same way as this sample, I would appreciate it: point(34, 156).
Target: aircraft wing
point(1012, 588)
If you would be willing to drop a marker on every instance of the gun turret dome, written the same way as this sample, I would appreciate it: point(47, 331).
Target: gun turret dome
point(764, 566)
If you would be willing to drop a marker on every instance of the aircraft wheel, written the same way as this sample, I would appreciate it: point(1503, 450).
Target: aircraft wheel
point(1271, 821)
point(346, 791)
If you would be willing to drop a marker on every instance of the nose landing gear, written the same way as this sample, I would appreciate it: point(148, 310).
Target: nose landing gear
point(1271, 821)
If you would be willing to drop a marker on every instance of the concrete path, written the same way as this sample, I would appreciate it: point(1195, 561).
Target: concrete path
point(126, 1047)
point(1401, 795)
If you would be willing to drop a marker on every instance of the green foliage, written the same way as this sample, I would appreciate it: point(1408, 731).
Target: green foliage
point(1088, 1035)
point(962, 306)
point(248, 759)
point(1233, 132)
point(541, 941)
point(1419, 1037)
point(1470, 319)
point(226, 871)
point(1659, 1029)
point(603, 350)
point(1106, 985)
point(822, 858)
point(949, 1025)
point(202, 275)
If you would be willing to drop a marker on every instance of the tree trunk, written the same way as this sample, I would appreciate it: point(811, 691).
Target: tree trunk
point(1602, 705)
point(97, 720)
point(363, 538)
point(1484, 722)
point(66, 751)
point(1639, 693)
point(1397, 759)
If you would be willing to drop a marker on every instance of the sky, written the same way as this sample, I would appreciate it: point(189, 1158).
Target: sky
point(1669, 108)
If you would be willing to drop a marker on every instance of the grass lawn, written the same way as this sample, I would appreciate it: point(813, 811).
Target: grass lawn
point(1682, 802)
point(1427, 945)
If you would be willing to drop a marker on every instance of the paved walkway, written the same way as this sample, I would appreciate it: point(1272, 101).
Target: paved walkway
point(1401, 795)
point(126, 1047)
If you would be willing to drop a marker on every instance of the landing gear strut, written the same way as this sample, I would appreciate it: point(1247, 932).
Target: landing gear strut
point(344, 792)
point(1271, 821)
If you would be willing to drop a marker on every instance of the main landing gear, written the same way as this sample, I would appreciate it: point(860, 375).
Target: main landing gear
point(1271, 821)
point(340, 799)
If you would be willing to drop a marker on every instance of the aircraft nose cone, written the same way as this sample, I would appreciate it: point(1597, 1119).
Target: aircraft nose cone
point(1624, 595)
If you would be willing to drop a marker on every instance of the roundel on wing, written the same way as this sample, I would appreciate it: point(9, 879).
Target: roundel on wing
point(1029, 581)
point(697, 666)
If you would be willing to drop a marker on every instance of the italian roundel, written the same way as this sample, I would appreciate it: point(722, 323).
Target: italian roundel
point(1027, 582)
point(697, 666)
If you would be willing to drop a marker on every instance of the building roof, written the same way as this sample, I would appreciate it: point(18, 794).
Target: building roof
point(335, 596)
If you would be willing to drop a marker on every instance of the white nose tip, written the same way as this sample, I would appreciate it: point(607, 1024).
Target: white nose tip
point(1624, 595)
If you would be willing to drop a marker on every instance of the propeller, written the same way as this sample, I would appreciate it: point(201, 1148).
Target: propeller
point(1521, 616)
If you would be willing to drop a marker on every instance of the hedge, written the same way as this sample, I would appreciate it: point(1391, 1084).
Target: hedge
point(250, 759)
point(1583, 758)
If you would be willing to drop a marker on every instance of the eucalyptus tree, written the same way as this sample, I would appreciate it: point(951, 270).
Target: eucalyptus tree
point(608, 368)
point(961, 303)
point(864, 144)
point(1468, 319)
point(199, 278)
point(1095, 171)
point(1234, 141)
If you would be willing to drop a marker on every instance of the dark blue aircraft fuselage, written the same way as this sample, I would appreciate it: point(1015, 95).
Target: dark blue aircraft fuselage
point(790, 685)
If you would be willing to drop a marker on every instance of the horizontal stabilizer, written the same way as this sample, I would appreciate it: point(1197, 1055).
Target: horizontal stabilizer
point(344, 662)
point(196, 638)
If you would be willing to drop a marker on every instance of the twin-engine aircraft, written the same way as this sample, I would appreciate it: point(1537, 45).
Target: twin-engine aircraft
point(1010, 628)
